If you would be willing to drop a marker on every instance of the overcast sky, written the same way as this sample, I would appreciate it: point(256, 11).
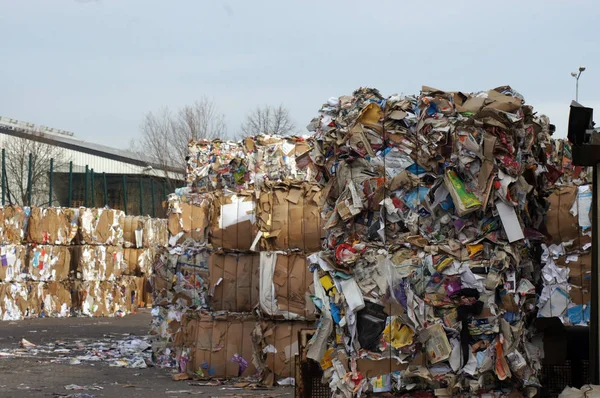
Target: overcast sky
point(96, 67)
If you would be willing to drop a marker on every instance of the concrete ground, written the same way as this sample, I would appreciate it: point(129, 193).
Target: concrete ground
point(45, 371)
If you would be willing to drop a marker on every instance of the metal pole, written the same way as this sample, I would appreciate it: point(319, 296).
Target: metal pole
point(85, 200)
point(93, 188)
point(70, 183)
point(105, 190)
point(594, 315)
point(153, 203)
point(141, 196)
point(577, 88)
point(125, 193)
point(29, 179)
point(50, 182)
point(3, 176)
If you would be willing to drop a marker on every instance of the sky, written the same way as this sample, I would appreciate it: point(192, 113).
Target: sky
point(96, 67)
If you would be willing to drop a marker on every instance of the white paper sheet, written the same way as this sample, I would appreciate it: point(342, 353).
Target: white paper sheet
point(510, 222)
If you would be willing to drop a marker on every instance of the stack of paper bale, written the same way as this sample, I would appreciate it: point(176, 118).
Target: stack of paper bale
point(62, 262)
point(434, 212)
point(234, 290)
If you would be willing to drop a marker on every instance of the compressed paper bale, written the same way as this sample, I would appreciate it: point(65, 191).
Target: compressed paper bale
point(99, 263)
point(54, 225)
point(233, 225)
point(189, 217)
point(49, 263)
point(131, 224)
point(56, 299)
point(156, 232)
point(138, 262)
point(13, 265)
point(101, 226)
point(12, 224)
point(233, 282)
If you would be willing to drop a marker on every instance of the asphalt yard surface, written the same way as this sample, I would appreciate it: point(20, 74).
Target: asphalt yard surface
point(94, 357)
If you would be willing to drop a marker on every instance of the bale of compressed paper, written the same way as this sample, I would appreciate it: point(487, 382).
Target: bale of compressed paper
point(99, 263)
point(101, 226)
point(288, 216)
point(133, 230)
point(13, 220)
point(53, 226)
point(233, 221)
point(49, 263)
point(139, 262)
point(13, 264)
point(189, 217)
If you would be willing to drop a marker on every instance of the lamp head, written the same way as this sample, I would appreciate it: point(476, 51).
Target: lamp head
point(581, 68)
point(574, 74)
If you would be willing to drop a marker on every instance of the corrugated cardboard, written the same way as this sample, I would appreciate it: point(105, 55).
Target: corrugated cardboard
point(156, 233)
point(561, 224)
point(288, 215)
point(21, 300)
point(292, 285)
point(103, 298)
point(49, 263)
point(213, 343)
point(234, 282)
point(54, 225)
point(189, 216)
point(12, 224)
point(101, 226)
point(98, 263)
point(138, 262)
point(225, 232)
point(130, 225)
point(13, 265)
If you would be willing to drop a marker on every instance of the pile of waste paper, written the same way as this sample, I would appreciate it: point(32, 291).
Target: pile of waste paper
point(434, 216)
point(58, 262)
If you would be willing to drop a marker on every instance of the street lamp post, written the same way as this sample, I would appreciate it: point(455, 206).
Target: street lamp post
point(576, 76)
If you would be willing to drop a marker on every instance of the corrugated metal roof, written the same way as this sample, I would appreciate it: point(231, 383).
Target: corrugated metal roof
point(87, 147)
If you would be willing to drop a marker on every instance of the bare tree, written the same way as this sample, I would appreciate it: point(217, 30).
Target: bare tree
point(166, 134)
point(268, 120)
point(17, 169)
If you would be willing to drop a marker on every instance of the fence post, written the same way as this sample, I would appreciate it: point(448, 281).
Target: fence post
point(153, 203)
point(85, 198)
point(70, 183)
point(125, 192)
point(50, 187)
point(93, 188)
point(105, 190)
point(29, 179)
point(3, 176)
point(141, 196)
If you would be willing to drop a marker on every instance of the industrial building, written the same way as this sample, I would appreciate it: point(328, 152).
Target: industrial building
point(83, 173)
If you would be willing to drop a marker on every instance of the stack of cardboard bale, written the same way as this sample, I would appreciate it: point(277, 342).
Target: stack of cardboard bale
point(434, 209)
point(234, 290)
point(62, 262)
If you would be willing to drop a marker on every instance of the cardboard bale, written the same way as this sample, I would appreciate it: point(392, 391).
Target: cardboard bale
point(55, 299)
point(156, 233)
point(104, 298)
point(138, 262)
point(234, 282)
point(218, 348)
point(191, 285)
point(101, 226)
point(233, 224)
point(144, 292)
point(99, 263)
point(13, 265)
point(188, 217)
point(288, 216)
point(53, 225)
point(276, 344)
point(131, 225)
point(286, 285)
point(49, 263)
point(17, 301)
point(13, 220)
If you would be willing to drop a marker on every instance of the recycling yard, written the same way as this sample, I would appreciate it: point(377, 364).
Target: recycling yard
point(80, 358)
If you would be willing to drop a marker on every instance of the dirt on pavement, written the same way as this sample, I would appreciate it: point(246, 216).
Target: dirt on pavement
point(51, 369)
